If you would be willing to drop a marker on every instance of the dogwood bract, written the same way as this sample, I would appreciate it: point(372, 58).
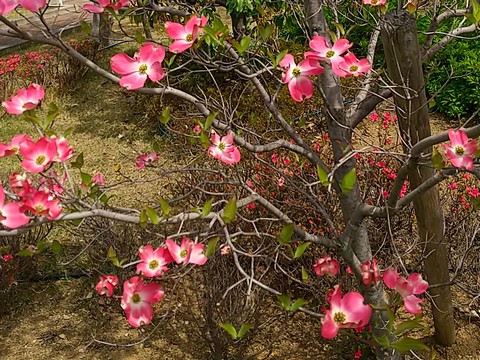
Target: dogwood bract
point(223, 149)
point(184, 36)
point(147, 63)
point(346, 312)
point(10, 214)
point(154, 262)
point(103, 4)
point(188, 252)
point(137, 300)
point(370, 272)
point(374, 2)
point(350, 65)
point(106, 285)
point(407, 288)
point(460, 150)
point(25, 99)
point(326, 265)
point(298, 76)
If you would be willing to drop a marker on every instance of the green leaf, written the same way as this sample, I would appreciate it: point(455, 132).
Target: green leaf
point(165, 207)
point(165, 117)
point(391, 318)
point(322, 176)
point(382, 341)
point(300, 250)
point(139, 37)
point(286, 234)
point(205, 141)
point(474, 16)
point(143, 220)
point(24, 252)
point(230, 211)
point(298, 304)
point(348, 181)
point(152, 214)
point(229, 328)
point(280, 57)
point(212, 244)
point(41, 246)
point(408, 325)
point(437, 160)
point(78, 163)
point(339, 28)
point(86, 178)
point(209, 121)
point(112, 256)
point(284, 301)
point(406, 344)
point(56, 247)
point(244, 329)
point(266, 31)
point(207, 207)
point(51, 115)
point(85, 27)
point(304, 275)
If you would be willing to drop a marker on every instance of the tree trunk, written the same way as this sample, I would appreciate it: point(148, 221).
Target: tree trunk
point(340, 134)
point(101, 28)
point(402, 55)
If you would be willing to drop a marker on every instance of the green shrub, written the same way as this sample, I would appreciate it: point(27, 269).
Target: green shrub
point(454, 78)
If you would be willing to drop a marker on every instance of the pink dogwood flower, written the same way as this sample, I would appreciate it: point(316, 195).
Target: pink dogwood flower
point(10, 214)
point(298, 76)
point(7, 6)
point(350, 65)
point(14, 147)
point(137, 300)
point(41, 203)
point(321, 51)
point(106, 285)
point(33, 5)
point(38, 155)
point(25, 99)
point(370, 272)
point(64, 151)
point(184, 36)
point(223, 149)
point(98, 179)
point(326, 265)
point(407, 288)
point(147, 63)
point(346, 312)
point(104, 4)
point(154, 262)
point(144, 160)
point(460, 150)
point(188, 252)
point(20, 184)
point(374, 2)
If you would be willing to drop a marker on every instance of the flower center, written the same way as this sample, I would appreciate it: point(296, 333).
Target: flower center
point(136, 298)
point(374, 2)
point(40, 159)
point(330, 53)
point(143, 69)
point(183, 254)
point(459, 150)
point(189, 37)
point(39, 208)
point(353, 68)
point(153, 264)
point(296, 72)
point(14, 149)
point(222, 147)
point(339, 317)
